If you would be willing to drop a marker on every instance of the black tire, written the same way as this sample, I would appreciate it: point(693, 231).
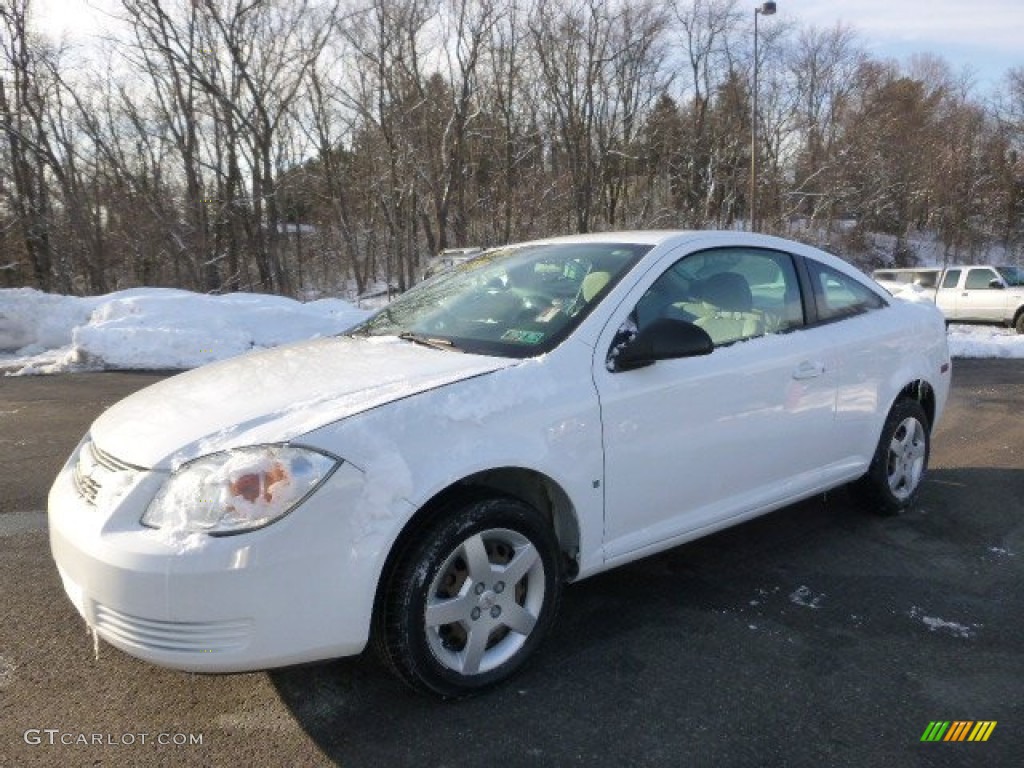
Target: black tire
point(451, 621)
point(897, 469)
point(1019, 325)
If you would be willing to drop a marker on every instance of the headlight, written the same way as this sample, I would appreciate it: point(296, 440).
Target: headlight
point(237, 490)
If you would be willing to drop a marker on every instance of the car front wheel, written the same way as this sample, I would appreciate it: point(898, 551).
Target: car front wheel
point(897, 469)
point(471, 597)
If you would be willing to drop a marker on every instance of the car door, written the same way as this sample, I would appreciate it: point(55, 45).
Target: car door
point(692, 443)
point(866, 347)
point(979, 300)
point(946, 298)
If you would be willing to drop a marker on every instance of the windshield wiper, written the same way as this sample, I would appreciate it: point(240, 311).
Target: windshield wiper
point(429, 341)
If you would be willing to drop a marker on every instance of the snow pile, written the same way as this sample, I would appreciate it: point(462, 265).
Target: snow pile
point(153, 328)
point(32, 322)
point(911, 292)
point(985, 341)
point(803, 596)
point(934, 624)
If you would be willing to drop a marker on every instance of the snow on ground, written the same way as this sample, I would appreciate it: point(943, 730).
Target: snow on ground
point(934, 624)
point(985, 341)
point(967, 340)
point(153, 328)
point(165, 328)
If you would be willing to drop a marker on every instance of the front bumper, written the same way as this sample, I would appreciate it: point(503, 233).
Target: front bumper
point(298, 590)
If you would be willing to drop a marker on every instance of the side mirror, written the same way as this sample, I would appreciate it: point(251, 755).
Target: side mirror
point(664, 339)
point(995, 282)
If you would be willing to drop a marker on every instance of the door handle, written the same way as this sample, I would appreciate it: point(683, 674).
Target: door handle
point(808, 370)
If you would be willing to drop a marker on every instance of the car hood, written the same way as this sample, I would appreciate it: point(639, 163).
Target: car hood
point(274, 396)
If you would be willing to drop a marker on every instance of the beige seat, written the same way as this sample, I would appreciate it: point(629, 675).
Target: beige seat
point(726, 311)
point(593, 283)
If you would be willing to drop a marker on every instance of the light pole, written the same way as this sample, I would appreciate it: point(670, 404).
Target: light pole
point(765, 9)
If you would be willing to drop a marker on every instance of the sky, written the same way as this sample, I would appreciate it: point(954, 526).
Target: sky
point(985, 35)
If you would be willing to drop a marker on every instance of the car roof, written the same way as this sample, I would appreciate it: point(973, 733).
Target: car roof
point(708, 238)
point(648, 237)
point(656, 237)
point(711, 238)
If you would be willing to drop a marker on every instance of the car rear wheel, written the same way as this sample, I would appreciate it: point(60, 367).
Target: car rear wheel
point(471, 598)
point(897, 469)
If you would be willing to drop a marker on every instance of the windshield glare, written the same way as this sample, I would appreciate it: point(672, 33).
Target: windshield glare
point(1012, 275)
point(512, 302)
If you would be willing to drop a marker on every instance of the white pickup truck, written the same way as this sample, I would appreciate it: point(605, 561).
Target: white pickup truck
point(966, 294)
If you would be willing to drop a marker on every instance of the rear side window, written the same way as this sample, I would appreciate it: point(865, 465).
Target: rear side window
point(951, 279)
point(926, 278)
point(838, 295)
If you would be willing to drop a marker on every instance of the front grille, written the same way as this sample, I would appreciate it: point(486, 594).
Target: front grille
point(87, 486)
point(177, 637)
point(94, 468)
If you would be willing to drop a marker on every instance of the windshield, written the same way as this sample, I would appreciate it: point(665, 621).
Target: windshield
point(1012, 275)
point(510, 302)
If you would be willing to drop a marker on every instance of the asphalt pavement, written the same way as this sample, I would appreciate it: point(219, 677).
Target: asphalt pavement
point(819, 635)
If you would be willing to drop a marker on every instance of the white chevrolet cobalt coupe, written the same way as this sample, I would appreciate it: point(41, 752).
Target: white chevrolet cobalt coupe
point(431, 479)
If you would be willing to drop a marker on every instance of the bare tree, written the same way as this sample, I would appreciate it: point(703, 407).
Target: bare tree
point(823, 65)
point(522, 197)
point(23, 105)
point(388, 40)
point(294, 146)
point(571, 45)
point(633, 78)
point(1007, 158)
point(707, 42)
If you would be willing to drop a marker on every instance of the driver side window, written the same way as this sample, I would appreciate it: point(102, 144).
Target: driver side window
point(732, 293)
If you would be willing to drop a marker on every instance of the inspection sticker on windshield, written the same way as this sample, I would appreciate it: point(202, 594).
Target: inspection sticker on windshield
point(522, 337)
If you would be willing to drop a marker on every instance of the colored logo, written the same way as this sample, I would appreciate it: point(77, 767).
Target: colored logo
point(959, 730)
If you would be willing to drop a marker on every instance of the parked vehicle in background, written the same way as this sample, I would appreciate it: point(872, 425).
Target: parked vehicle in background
point(966, 294)
point(448, 258)
point(431, 479)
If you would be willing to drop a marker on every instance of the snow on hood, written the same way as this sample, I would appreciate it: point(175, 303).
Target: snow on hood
point(273, 396)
